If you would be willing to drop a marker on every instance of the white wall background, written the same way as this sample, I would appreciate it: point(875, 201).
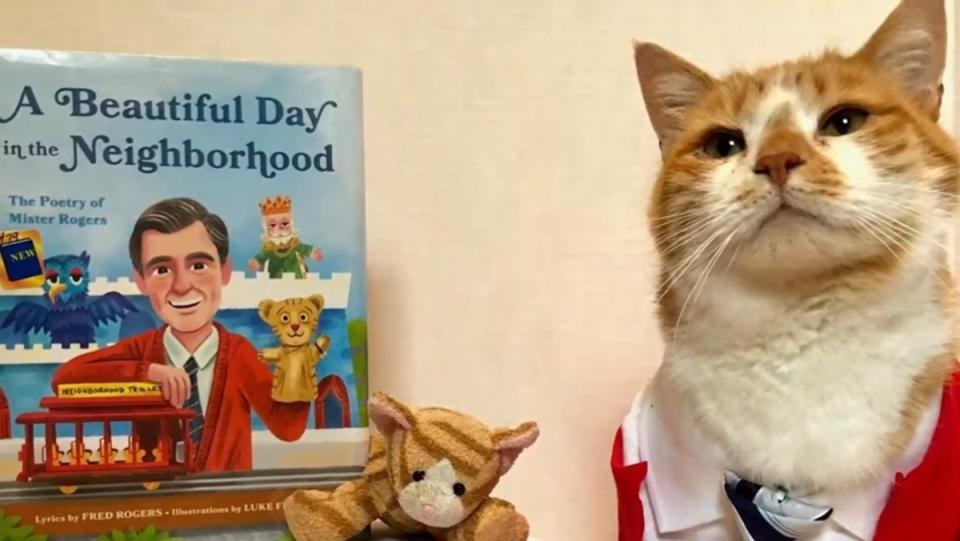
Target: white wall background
point(509, 159)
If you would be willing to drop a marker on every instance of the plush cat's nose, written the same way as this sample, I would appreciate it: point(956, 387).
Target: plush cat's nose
point(295, 326)
point(777, 166)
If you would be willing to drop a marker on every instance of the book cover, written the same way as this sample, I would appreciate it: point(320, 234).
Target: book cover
point(182, 293)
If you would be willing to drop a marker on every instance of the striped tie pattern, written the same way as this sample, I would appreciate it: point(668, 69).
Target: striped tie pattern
point(769, 514)
point(193, 402)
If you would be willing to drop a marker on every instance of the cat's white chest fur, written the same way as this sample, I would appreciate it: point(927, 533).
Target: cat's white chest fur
point(806, 392)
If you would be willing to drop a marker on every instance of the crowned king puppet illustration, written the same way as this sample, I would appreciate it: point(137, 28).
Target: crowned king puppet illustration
point(281, 251)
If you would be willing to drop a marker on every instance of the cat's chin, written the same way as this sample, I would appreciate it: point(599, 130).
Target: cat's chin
point(793, 244)
point(787, 216)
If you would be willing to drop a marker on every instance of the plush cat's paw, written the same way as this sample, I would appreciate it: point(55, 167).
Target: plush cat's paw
point(494, 520)
point(302, 511)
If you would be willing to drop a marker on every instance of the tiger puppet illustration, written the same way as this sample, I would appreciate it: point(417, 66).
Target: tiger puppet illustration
point(293, 322)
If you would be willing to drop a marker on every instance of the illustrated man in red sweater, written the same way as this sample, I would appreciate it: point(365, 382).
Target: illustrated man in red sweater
point(179, 252)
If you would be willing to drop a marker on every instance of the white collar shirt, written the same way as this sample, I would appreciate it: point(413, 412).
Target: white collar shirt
point(683, 498)
point(206, 353)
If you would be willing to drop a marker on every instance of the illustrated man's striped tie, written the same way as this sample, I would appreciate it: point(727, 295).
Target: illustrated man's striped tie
point(193, 402)
point(769, 514)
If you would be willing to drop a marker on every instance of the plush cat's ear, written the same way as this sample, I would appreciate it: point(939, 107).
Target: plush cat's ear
point(389, 414)
point(510, 442)
point(911, 45)
point(317, 300)
point(670, 86)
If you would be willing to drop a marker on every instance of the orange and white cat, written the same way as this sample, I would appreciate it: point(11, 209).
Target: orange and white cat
point(802, 214)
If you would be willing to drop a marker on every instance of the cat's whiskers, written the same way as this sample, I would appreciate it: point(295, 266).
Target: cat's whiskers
point(666, 217)
point(921, 190)
point(687, 235)
point(702, 279)
point(877, 228)
point(897, 224)
point(688, 262)
point(870, 228)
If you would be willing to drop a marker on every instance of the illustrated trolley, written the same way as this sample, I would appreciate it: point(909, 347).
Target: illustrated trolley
point(151, 449)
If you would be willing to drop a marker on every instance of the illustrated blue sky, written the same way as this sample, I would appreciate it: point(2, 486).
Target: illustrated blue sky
point(328, 207)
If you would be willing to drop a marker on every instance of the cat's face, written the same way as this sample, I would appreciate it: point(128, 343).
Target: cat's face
point(807, 168)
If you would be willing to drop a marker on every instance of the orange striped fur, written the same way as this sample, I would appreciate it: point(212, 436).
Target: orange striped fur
point(803, 213)
point(430, 470)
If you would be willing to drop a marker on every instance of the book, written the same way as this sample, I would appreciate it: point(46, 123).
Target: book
point(182, 292)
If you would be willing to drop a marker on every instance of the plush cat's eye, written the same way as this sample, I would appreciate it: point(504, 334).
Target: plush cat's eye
point(459, 489)
point(723, 144)
point(843, 121)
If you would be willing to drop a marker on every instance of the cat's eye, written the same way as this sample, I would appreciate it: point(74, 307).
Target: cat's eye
point(419, 475)
point(723, 144)
point(843, 121)
point(459, 489)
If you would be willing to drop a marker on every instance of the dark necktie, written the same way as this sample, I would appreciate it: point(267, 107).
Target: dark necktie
point(766, 514)
point(193, 402)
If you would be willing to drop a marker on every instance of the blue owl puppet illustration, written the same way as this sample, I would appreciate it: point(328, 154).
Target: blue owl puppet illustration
point(67, 311)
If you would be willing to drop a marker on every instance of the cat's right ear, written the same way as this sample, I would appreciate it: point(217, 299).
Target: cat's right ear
point(670, 86)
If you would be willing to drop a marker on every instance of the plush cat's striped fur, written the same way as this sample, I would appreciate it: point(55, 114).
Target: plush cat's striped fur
point(429, 471)
point(802, 214)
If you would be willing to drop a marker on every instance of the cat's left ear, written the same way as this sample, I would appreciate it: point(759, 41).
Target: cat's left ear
point(911, 45)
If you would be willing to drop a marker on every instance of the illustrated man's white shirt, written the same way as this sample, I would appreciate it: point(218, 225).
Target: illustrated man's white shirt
point(682, 495)
point(177, 355)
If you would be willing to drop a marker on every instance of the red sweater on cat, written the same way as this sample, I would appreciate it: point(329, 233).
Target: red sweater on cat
point(240, 382)
point(921, 505)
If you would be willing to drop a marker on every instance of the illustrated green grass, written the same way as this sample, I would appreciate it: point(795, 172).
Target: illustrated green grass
point(357, 334)
point(147, 534)
point(10, 531)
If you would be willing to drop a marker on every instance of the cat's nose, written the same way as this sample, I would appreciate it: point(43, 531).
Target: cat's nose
point(777, 166)
point(295, 326)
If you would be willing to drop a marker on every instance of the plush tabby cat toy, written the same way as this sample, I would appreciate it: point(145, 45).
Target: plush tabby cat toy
point(430, 471)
